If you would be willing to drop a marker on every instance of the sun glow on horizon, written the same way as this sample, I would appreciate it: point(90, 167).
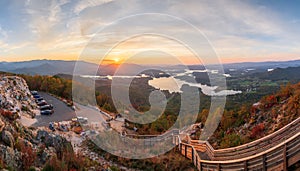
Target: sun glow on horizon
point(117, 60)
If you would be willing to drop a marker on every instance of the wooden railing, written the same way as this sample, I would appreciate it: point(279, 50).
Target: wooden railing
point(151, 140)
point(278, 157)
point(276, 151)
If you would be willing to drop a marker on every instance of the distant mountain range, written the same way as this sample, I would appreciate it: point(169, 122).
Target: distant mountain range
point(45, 67)
point(53, 67)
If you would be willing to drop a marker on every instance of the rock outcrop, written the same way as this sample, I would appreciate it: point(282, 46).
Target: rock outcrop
point(15, 98)
point(21, 147)
point(10, 156)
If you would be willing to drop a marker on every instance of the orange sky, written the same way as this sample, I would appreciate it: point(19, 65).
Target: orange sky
point(238, 31)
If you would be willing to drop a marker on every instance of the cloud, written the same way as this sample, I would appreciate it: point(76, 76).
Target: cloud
point(82, 5)
point(3, 34)
point(45, 22)
point(235, 28)
point(3, 45)
point(234, 17)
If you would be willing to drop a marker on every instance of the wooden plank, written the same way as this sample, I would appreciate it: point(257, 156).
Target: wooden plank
point(293, 159)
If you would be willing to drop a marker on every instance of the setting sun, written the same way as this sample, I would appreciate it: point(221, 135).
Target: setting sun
point(117, 60)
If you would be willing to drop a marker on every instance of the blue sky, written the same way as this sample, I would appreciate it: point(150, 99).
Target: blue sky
point(60, 29)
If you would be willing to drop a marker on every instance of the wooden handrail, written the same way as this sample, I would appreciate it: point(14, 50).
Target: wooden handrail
point(267, 156)
point(240, 162)
point(263, 143)
point(262, 139)
point(257, 154)
point(254, 156)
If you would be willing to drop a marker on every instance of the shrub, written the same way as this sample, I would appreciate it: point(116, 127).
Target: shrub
point(54, 165)
point(32, 169)
point(114, 168)
point(28, 156)
point(7, 114)
point(231, 140)
point(257, 131)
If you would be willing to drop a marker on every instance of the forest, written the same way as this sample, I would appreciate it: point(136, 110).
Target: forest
point(238, 109)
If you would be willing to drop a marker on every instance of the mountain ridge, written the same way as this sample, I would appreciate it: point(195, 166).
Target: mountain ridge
point(53, 67)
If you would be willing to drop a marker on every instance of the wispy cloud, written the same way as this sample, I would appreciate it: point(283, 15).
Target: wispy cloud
point(45, 22)
point(82, 5)
point(237, 29)
point(3, 33)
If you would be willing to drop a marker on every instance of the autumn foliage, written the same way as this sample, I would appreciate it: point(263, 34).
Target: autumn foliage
point(28, 156)
point(257, 131)
point(7, 114)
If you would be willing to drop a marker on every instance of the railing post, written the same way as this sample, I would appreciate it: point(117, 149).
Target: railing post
point(284, 158)
point(196, 163)
point(245, 165)
point(264, 162)
point(200, 166)
point(218, 167)
point(192, 154)
point(185, 151)
point(180, 148)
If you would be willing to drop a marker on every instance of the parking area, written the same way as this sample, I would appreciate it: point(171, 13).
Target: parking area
point(96, 119)
point(61, 112)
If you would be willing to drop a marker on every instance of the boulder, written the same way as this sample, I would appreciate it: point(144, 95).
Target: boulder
point(47, 154)
point(51, 140)
point(10, 157)
point(10, 128)
point(41, 135)
point(7, 138)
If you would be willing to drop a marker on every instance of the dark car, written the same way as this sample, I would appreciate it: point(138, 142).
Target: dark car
point(42, 103)
point(39, 99)
point(36, 96)
point(46, 107)
point(47, 112)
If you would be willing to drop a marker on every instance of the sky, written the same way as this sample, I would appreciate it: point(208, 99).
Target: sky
point(150, 31)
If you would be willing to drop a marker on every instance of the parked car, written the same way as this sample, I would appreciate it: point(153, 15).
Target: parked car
point(34, 93)
point(36, 96)
point(42, 103)
point(82, 120)
point(46, 107)
point(39, 99)
point(47, 112)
